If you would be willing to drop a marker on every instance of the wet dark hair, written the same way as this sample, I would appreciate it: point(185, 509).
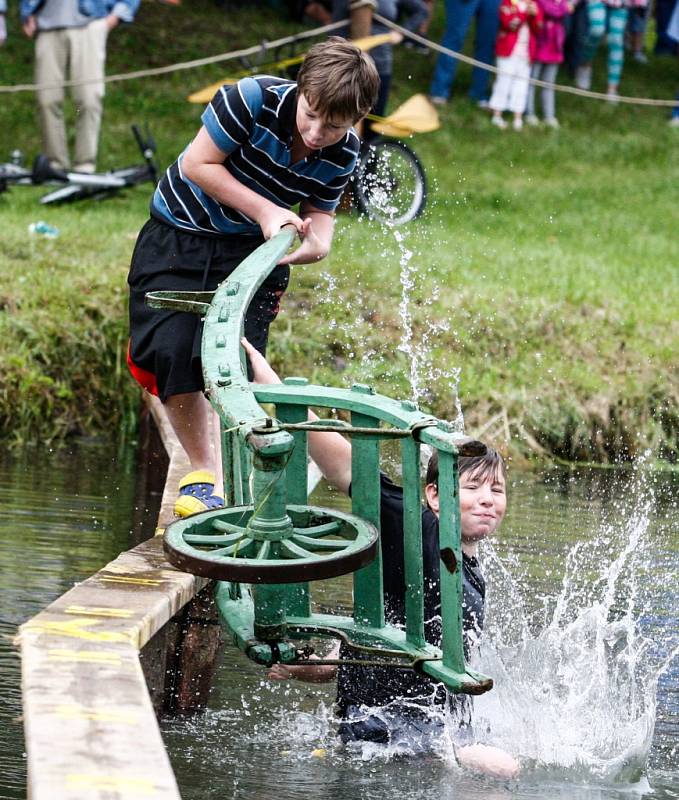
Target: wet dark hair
point(481, 467)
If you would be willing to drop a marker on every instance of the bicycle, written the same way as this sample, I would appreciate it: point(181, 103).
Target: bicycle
point(81, 185)
point(389, 183)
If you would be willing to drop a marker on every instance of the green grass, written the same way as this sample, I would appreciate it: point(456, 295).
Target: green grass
point(544, 270)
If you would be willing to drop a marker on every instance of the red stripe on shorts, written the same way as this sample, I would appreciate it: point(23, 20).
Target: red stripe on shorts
point(147, 380)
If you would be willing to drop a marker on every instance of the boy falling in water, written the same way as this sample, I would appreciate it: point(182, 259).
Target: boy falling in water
point(266, 145)
point(384, 706)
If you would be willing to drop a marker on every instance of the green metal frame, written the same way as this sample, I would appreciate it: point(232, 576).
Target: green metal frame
point(261, 458)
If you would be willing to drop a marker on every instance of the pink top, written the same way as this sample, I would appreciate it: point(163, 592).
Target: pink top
point(550, 38)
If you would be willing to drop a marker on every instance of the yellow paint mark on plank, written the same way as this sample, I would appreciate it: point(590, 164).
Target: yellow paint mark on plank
point(130, 579)
point(111, 783)
point(102, 714)
point(77, 629)
point(100, 611)
point(88, 656)
point(159, 532)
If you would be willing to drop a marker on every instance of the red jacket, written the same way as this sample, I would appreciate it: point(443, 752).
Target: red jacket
point(514, 14)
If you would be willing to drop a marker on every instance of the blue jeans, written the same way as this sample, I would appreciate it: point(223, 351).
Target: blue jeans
point(459, 15)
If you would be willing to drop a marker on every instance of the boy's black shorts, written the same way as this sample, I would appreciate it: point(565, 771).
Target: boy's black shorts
point(164, 348)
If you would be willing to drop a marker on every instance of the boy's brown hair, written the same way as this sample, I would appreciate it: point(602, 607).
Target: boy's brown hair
point(338, 80)
point(490, 464)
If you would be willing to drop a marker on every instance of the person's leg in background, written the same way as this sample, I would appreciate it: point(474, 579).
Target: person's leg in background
point(617, 21)
point(674, 119)
point(577, 29)
point(596, 16)
point(51, 59)
point(459, 14)
point(549, 73)
point(88, 60)
point(664, 44)
point(531, 116)
point(487, 23)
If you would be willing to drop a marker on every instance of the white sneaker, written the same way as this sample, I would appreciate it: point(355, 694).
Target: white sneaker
point(517, 124)
point(552, 122)
point(532, 120)
point(482, 104)
point(498, 122)
point(640, 57)
point(438, 100)
point(612, 97)
point(583, 76)
point(673, 122)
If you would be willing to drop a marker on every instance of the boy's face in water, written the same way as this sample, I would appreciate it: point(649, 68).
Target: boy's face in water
point(483, 502)
point(315, 130)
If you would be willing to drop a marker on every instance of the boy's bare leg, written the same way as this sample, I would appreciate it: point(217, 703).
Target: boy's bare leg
point(190, 415)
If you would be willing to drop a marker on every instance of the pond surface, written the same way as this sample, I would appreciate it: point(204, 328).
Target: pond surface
point(575, 640)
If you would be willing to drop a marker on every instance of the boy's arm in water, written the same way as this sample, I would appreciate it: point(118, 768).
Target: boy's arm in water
point(319, 673)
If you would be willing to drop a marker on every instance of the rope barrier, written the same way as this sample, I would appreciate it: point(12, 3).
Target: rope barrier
point(266, 46)
point(263, 47)
point(640, 101)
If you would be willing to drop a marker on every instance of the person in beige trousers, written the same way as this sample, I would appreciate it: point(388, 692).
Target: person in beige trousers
point(70, 44)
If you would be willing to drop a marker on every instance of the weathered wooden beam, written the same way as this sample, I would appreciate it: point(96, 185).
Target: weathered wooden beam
point(91, 731)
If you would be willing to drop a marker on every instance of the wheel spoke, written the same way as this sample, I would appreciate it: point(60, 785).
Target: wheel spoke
point(322, 544)
point(213, 538)
point(291, 550)
point(226, 527)
point(234, 549)
point(263, 552)
point(324, 529)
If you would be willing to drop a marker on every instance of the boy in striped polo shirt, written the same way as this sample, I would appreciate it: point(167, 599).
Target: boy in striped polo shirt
point(266, 145)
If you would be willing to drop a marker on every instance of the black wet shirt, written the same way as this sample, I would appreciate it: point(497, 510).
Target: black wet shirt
point(376, 686)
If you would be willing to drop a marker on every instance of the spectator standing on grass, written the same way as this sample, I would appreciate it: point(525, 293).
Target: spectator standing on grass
point(605, 17)
point(70, 42)
point(665, 45)
point(383, 54)
point(673, 35)
point(459, 17)
point(577, 30)
point(3, 22)
point(520, 21)
point(636, 30)
point(549, 46)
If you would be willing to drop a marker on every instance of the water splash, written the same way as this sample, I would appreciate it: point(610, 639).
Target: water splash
point(576, 677)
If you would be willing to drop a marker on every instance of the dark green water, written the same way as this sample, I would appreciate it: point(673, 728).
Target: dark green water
point(66, 514)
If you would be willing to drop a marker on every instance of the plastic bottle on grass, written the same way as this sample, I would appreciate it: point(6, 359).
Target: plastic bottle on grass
point(41, 228)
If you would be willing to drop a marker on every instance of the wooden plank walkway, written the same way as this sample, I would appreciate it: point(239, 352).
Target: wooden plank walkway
point(90, 726)
point(91, 730)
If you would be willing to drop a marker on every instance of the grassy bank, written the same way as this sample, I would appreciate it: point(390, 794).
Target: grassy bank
point(544, 271)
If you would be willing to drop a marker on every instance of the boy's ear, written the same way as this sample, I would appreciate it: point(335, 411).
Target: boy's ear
point(431, 492)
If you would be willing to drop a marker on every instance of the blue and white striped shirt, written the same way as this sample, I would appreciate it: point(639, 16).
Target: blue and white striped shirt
point(253, 123)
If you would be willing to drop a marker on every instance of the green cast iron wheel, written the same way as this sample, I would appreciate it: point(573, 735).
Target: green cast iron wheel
point(219, 544)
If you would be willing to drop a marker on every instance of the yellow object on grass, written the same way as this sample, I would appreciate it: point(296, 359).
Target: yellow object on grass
point(416, 115)
point(207, 93)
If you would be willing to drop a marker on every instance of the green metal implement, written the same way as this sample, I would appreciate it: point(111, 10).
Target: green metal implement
point(265, 547)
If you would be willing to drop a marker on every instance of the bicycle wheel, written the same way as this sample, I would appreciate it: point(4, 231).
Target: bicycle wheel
point(389, 184)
